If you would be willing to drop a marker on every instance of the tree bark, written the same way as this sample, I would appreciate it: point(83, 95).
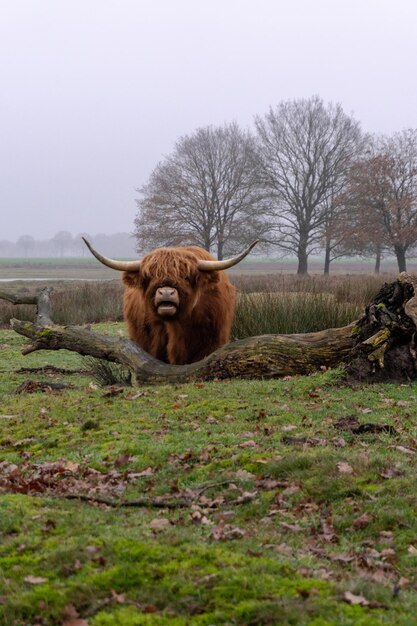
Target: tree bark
point(326, 270)
point(42, 302)
point(266, 356)
point(302, 257)
point(380, 346)
point(401, 260)
point(377, 267)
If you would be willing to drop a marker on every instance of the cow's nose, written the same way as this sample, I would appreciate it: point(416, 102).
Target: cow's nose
point(166, 292)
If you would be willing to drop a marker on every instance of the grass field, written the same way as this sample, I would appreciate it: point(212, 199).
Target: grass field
point(88, 268)
point(286, 502)
point(54, 269)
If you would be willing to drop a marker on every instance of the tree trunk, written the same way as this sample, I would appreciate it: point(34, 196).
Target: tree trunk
point(267, 356)
point(400, 254)
point(302, 255)
point(220, 248)
point(327, 260)
point(377, 268)
point(381, 346)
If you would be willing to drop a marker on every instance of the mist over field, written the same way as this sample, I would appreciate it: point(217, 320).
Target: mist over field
point(63, 244)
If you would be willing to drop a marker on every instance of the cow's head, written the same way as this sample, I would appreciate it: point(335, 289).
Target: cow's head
point(171, 279)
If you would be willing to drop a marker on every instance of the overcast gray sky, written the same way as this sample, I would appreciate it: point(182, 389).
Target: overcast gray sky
point(93, 93)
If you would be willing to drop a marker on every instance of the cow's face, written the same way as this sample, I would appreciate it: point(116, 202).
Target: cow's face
point(171, 283)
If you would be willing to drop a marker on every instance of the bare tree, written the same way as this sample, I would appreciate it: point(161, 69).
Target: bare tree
point(27, 242)
point(62, 241)
point(305, 149)
point(205, 193)
point(383, 194)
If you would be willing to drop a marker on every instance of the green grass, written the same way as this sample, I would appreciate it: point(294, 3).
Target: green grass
point(276, 532)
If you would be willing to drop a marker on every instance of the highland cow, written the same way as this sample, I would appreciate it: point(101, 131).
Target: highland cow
point(178, 302)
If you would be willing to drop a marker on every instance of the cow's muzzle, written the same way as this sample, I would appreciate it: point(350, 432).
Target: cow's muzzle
point(167, 301)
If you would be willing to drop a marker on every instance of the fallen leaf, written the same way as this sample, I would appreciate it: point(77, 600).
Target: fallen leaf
point(244, 474)
point(120, 598)
point(388, 554)
point(206, 579)
point(344, 468)
point(91, 549)
point(405, 450)
point(71, 467)
point(159, 523)
point(122, 459)
point(281, 548)
point(361, 521)
point(391, 472)
point(341, 557)
point(290, 490)
point(113, 391)
point(387, 536)
point(338, 442)
point(247, 496)
point(198, 518)
point(148, 471)
point(351, 598)
point(225, 532)
point(412, 550)
point(35, 580)
point(327, 529)
point(70, 611)
point(250, 443)
point(380, 576)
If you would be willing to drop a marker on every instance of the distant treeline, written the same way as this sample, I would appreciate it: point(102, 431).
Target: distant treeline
point(64, 244)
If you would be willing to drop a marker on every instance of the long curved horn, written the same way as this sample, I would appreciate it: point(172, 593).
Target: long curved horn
point(212, 266)
point(123, 266)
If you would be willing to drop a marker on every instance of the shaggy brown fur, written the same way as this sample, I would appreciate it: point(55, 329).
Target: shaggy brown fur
point(205, 313)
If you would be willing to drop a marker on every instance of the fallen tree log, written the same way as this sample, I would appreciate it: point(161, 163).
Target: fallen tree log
point(41, 300)
point(267, 356)
point(379, 346)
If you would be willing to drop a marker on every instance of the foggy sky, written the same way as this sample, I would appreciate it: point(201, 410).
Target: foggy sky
point(93, 93)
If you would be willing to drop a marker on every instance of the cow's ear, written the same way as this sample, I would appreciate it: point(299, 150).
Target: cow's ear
point(131, 279)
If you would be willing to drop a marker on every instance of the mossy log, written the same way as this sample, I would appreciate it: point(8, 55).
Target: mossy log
point(379, 346)
point(267, 356)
